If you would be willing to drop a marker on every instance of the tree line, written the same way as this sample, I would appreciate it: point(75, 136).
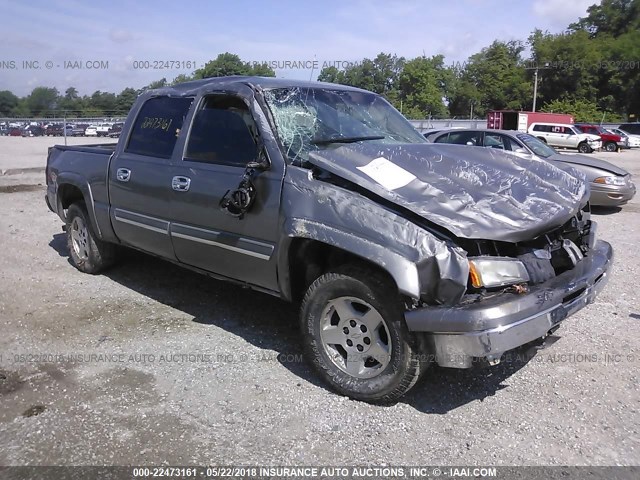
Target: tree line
point(590, 70)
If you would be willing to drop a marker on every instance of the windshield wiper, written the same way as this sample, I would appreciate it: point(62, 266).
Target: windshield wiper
point(326, 141)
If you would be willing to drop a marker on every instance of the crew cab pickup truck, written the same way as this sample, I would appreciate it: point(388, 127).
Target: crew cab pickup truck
point(400, 252)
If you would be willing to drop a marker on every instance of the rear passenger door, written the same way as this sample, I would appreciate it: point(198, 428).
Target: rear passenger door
point(224, 137)
point(140, 176)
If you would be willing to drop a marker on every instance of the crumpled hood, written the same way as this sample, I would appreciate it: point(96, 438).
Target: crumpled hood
point(472, 192)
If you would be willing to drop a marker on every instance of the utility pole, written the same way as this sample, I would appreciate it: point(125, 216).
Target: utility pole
point(535, 82)
point(535, 88)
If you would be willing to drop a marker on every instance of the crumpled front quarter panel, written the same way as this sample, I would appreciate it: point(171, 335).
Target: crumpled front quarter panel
point(422, 265)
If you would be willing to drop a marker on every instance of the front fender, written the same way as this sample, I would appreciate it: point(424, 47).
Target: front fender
point(423, 266)
point(403, 271)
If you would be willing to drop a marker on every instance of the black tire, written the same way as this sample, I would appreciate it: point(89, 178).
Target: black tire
point(611, 146)
point(88, 253)
point(584, 148)
point(372, 300)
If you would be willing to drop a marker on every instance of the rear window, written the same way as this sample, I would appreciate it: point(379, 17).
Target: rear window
point(157, 126)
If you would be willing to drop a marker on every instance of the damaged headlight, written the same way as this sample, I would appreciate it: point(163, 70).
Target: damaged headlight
point(489, 272)
point(611, 180)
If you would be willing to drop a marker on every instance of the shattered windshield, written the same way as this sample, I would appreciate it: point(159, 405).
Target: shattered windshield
point(309, 119)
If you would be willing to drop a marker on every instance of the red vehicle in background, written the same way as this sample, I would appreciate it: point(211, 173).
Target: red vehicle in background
point(610, 141)
point(512, 120)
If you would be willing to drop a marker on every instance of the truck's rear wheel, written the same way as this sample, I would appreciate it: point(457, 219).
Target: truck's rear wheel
point(88, 253)
point(611, 146)
point(356, 338)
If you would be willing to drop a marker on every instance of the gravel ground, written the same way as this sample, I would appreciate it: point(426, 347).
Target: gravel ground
point(152, 364)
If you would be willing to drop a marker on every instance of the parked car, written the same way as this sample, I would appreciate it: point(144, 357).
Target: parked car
point(91, 131)
point(58, 130)
point(115, 130)
point(78, 130)
point(631, 128)
point(610, 184)
point(33, 131)
point(53, 130)
point(565, 136)
point(632, 140)
point(610, 142)
point(399, 251)
point(102, 130)
point(15, 132)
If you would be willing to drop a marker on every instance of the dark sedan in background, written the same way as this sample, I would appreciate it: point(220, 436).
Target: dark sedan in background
point(611, 185)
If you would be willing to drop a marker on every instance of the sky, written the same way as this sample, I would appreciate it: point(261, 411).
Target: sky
point(109, 46)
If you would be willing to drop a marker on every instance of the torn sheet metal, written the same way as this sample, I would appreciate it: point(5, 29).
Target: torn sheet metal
point(474, 193)
point(422, 265)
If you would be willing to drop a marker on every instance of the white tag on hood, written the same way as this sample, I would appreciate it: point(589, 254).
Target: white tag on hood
point(387, 174)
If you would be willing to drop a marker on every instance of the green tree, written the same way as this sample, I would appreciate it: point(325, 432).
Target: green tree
point(181, 79)
point(227, 64)
point(380, 75)
point(582, 110)
point(156, 84)
point(42, 101)
point(8, 102)
point(610, 17)
point(103, 102)
point(71, 102)
point(125, 100)
point(424, 86)
point(493, 79)
point(331, 74)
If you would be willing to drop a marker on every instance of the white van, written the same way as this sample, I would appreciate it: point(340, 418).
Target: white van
point(565, 135)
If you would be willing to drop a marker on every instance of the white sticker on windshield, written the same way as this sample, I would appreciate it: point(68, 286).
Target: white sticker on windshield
point(387, 174)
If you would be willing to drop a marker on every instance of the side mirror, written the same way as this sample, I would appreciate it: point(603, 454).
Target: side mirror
point(262, 162)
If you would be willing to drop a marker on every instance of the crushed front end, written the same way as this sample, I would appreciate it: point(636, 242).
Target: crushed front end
point(516, 293)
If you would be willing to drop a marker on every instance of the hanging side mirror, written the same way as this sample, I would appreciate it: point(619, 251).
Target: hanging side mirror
point(262, 161)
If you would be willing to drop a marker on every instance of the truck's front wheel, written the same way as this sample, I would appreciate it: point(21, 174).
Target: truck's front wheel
point(584, 148)
point(88, 253)
point(356, 338)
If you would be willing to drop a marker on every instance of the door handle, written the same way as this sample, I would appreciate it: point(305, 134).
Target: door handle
point(180, 184)
point(123, 174)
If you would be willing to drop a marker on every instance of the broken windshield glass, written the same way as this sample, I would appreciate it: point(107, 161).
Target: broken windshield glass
point(309, 119)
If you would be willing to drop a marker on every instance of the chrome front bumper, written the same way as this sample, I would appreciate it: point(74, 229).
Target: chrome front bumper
point(491, 327)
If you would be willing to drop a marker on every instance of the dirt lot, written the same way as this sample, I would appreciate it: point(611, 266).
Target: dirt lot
point(152, 364)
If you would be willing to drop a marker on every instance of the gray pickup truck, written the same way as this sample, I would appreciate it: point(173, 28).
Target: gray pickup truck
point(400, 252)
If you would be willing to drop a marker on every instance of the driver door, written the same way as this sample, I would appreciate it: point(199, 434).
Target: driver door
point(222, 139)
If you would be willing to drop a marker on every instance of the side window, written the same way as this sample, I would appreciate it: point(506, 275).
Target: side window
point(443, 138)
point(541, 128)
point(465, 138)
point(495, 140)
point(157, 126)
point(223, 133)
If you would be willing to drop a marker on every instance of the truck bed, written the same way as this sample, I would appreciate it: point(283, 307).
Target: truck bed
point(108, 148)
